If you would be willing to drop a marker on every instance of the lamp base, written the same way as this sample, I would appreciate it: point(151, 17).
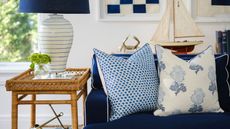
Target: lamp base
point(55, 37)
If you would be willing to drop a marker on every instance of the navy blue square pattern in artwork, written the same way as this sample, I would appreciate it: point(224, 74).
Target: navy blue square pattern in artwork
point(221, 2)
point(126, 7)
point(113, 9)
point(152, 1)
point(126, 1)
point(139, 8)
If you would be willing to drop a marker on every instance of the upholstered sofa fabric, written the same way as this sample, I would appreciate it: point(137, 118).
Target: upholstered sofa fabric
point(222, 66)
point(185, 121)
point(131, 84)
point(97, 109)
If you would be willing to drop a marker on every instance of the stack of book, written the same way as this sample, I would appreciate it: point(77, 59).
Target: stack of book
point(223, 41)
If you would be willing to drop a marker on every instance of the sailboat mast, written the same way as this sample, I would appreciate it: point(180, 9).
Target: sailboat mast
point(173, 21)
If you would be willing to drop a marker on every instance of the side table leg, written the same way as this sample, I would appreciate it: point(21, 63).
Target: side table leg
point(33, 111)
point(74, 110)
point(14, 110)
point(84, 98)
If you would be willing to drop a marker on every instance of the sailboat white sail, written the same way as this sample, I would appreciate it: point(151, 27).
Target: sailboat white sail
point(163, 30)
point(182, 24)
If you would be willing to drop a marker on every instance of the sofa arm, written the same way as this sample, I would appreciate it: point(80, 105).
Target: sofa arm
point(96, 107)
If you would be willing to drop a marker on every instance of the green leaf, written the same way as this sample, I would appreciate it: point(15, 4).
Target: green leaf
point(39, 58)
point(17, 32)
point(32, 66)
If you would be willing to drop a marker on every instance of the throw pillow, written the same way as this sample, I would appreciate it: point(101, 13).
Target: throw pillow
point(187, 86)
point(132, 84)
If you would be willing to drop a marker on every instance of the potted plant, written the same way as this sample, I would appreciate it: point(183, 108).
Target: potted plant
point(38, 62)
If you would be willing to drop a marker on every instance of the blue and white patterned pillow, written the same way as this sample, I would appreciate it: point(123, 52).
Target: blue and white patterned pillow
point(187, 86)
point(132, 84)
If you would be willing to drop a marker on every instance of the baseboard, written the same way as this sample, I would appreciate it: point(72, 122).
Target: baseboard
point(24, 120)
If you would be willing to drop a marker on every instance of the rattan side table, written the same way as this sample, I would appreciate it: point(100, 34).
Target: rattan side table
point(24, 85)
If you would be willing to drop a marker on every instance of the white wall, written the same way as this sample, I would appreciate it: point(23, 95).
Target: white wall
point(90, 34)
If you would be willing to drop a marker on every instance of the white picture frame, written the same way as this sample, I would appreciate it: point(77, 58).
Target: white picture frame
point(218, 18)
point(102, 16)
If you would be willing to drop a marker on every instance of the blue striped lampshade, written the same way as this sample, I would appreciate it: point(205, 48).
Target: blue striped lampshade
point(54, 6)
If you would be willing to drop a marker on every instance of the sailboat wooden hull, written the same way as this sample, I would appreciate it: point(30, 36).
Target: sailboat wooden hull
point(177, 24)
point(180, 47)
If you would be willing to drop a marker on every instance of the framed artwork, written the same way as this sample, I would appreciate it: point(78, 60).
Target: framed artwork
point(130, 10)
point(211, 10)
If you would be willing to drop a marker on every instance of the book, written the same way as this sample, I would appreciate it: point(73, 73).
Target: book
point(219, 36)
point(228, 40)
point(224, 42)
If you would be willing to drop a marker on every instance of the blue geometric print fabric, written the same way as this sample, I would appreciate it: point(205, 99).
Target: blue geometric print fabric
point(132, 6)
point(132, 84)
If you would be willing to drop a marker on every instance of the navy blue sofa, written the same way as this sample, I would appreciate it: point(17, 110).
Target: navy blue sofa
point(97, 107)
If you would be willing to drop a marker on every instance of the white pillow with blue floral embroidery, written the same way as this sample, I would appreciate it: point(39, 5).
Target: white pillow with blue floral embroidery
point(131, 84)
point(186, 86)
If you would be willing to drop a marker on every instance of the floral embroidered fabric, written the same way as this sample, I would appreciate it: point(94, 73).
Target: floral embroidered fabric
point(186, 86)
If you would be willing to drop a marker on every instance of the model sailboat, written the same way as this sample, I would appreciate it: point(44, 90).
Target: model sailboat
point(177, 24)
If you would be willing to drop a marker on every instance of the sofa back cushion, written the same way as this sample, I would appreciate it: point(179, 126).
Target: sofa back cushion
point(222, 66)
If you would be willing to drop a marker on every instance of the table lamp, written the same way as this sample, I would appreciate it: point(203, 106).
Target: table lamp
point(55, 34)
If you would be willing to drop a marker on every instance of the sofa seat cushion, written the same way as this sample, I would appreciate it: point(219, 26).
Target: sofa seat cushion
point(182, 121)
